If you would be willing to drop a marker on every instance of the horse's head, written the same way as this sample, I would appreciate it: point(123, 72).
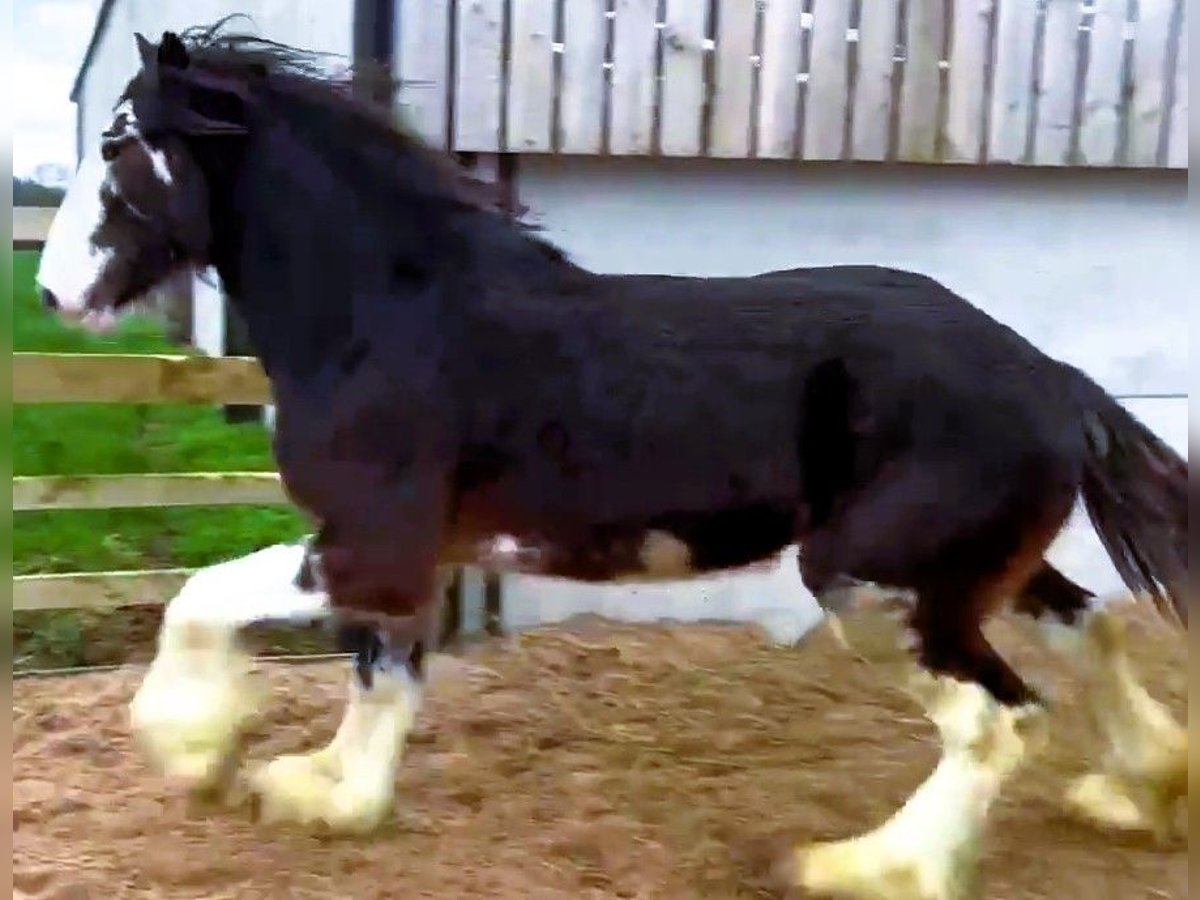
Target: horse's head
point(136, 214)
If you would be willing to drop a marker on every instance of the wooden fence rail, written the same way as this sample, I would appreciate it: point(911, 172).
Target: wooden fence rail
point(40, 378)
point(122, 378)
point(134, 491)
point(132, 378)
point(1031, 82)
point(30, 224)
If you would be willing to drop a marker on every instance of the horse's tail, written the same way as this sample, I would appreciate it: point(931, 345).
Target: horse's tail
point(1135, 489)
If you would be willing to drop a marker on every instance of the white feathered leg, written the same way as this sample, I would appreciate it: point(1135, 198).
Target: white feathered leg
point(199, 694)
point(1143, 778)
point(929, 849)
point(348, 785)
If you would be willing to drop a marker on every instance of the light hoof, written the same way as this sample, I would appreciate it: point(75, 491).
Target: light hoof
point(1108, 801)
point(310, 790)
point(192, 707)
point(856, 870)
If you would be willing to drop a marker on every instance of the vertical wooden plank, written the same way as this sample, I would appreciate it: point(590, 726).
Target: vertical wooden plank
point(531, 76)
point(1100, 127)
point(828, 95)
point(734, 78)
point(581, 95)
point(921, 88)
point(1177, 139)
point(1057, 86)
point(965, 100)
point(1147, 104)
point(683, 90)
point(873, 85)
point(778, 88)
point(422, 67)
point(631, 115)
point(478, 81)
point(1012, 93)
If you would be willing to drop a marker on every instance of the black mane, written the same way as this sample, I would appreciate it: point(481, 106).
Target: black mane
point(346, 89)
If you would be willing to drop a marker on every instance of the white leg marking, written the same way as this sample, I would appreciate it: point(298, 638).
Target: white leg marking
point(198, 694)
point(1143, 777)
point(69, 264)
point(928, 849)
point(348, 785)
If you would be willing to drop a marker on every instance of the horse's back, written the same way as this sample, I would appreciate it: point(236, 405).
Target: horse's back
point(644, 393)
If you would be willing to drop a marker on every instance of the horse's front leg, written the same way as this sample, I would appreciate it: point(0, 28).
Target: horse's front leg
point(348, 785)
point(199, 694)
point(383, 591)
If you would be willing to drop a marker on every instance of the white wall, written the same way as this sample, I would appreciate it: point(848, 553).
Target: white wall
point(1090, 266)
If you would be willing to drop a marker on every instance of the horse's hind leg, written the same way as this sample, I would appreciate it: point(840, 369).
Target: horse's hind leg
point(987, 718)
point(198, 694)
point(1143, 776)
point(928, 850)
point(349, 784)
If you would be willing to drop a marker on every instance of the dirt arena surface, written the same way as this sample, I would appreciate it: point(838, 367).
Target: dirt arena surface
point(595, 761)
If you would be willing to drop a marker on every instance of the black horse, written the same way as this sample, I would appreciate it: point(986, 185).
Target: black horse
point(445, 378)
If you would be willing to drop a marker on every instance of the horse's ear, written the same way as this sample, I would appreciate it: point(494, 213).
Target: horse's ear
point(171, 52)
point(146, 50)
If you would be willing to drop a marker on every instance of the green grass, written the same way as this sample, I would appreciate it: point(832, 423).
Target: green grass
point(77, 439)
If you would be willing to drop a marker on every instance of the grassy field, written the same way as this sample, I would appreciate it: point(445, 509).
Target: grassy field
point(104, 439)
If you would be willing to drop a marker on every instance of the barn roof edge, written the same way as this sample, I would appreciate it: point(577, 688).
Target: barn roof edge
point(102, 16)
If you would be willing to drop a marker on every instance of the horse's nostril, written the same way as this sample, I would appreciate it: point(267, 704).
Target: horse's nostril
point(49, 301)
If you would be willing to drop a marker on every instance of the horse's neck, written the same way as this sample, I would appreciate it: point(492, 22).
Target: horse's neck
point(311, 274)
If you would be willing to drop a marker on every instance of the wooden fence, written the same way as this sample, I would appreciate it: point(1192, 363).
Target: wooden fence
point(30, 224)
point(473, 603)
point(103, 378)
point(1032, 82)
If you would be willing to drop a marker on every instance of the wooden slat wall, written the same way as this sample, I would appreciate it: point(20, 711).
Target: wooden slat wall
point(967, 95)
point(1151, 74)
point(1058, 74)
point(875, 72)
point(924, 76)
point(827, 87)
point(1029, 82)
point(631, 107)
point(733, 90)
point(1012, 83)
point(423, 66)
point(479, 83)
point(1177, 135)
point(683, 94)
point(1100, 128)
point(531, 84)
point(581, 91)
point(783, 37)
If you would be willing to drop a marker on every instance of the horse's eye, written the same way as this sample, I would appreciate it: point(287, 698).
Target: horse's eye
point(109, 150)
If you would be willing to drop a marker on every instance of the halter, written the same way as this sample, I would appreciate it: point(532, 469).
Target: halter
point(113, 140)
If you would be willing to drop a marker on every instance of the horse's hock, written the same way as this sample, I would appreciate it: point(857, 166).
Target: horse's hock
point(587, 761)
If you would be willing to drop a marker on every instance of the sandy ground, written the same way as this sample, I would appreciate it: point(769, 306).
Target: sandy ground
point(595, 761)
